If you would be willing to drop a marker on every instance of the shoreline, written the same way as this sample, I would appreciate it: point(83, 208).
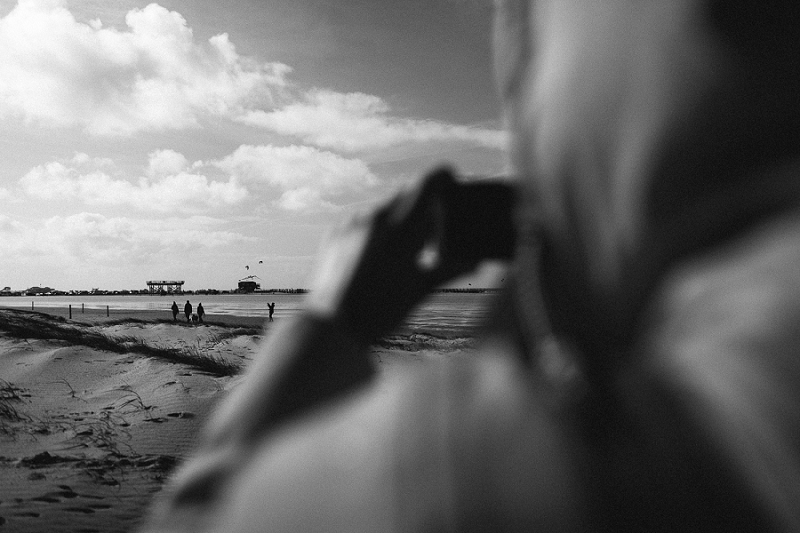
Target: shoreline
point(94, 316)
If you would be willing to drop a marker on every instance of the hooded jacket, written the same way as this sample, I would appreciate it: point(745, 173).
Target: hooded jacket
point(661, 152)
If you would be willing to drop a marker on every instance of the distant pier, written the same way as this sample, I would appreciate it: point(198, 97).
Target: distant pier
point(165, 287)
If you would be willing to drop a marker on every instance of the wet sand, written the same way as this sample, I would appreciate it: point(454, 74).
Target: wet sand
point(98, 316)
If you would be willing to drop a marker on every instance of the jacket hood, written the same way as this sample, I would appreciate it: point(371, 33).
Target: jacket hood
point(644, 134)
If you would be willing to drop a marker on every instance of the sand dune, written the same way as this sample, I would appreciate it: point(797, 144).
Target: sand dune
point(95, 413)
point(88, 435)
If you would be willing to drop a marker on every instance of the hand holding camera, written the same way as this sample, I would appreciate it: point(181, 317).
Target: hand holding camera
point(378, 267)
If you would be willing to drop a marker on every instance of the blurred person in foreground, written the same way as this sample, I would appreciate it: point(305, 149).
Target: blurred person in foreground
point(643, 370)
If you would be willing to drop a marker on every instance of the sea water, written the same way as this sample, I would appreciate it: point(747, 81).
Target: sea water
point(441, 314)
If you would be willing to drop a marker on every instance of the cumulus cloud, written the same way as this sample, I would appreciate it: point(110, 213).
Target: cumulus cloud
point(152, 75)
point(354, 122)
point(167, 186)
point(9, 225)
point(166, 162)
point(92, 238)
point(305, 177)
point(92, 234)
point(293, 178)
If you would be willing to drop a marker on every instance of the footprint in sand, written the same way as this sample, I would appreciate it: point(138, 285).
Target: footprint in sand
point(181, 414)
point(99, 506)
point(56, 496)
point(45, 499)
point(84, 510)
point(63, 493)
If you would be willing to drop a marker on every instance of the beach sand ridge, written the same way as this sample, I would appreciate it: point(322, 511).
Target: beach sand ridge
point(95, 414)
point(87, 436)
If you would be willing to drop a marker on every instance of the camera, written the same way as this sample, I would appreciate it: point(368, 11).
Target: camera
point(474, 220)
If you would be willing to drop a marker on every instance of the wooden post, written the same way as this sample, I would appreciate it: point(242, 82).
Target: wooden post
point(107, 311)
point(82, 308)
point(70, 311)
point(31, 306)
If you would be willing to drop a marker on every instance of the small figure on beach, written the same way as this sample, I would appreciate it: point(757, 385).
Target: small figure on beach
point(200, 312)
point(271, 310)
point(187, 310)
point(175, 311)
point(640, 372)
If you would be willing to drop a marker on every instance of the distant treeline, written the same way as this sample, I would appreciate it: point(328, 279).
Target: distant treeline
point(46, 291)
point(469, 290)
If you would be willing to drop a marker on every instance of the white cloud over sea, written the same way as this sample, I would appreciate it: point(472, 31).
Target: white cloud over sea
point(168, 186)
point(91, 239)
point(120, 238)
point(154, 75)
point(306, 177)
point(352, 122)
point(131, 142)
point(150, 76)
point(291, 178)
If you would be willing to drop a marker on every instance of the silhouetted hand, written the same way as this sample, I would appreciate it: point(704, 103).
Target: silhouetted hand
point(378, 267)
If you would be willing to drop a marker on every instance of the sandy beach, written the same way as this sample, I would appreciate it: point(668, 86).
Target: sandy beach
point(96, 412)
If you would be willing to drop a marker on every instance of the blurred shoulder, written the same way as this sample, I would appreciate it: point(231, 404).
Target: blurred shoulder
point(745, 288)
point(717, 372)
point(451, 442)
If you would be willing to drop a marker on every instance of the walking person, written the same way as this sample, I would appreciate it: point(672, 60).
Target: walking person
point(175, 311)
point(200, 312)
point(187, 310)
point(271, 310)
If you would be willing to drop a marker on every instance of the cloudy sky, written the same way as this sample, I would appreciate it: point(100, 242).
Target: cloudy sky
point(186, 139)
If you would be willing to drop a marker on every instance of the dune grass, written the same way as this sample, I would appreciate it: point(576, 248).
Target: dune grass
point(32, 325)
point(9, 395)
